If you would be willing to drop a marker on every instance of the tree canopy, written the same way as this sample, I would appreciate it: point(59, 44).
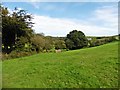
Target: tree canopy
point(15, 25)
point(76, 40)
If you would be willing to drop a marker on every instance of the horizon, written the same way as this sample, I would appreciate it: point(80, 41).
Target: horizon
point(57, 19)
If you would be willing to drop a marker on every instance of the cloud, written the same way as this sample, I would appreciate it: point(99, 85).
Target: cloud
point(10, 11)
point(108, 15)
point(43, 6)
point(47, 6)
point(20, 8)
point(61, 27)
point(40, 4)
point(35, 5)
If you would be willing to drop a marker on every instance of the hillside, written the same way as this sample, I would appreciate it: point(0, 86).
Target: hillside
point(91, 67)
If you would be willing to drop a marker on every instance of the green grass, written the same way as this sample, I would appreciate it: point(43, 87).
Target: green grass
point(95, 67)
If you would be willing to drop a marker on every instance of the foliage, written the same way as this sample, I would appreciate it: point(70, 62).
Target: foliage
point(20, 44)
point(49, 43)
point(16, 54)
point(38, 43)
point(69, 43)
point(15, 25)
point(101, 40)
point(60, 44)
point(76, 40)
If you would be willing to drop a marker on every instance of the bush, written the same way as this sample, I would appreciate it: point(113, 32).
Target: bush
point(16, 54)
point(60, 44)
point(102, 41)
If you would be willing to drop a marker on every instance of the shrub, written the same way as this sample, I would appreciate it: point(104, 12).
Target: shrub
point(16, 54)
point(101, 41)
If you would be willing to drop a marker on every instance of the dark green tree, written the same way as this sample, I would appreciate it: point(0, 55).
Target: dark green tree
point(69, 43)
point(15, 25)
point(76, 40)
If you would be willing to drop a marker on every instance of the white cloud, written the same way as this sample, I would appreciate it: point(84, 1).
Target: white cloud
point(20, 8)
point(10, 11)
point(104, 22)
point(108, 15)
point(61, 27)
point(35, 5)
point(47, 7)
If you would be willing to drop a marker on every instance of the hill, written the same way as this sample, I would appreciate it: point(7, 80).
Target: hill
point(85, 68)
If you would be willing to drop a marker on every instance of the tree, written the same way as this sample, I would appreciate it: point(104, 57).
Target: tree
point(69, 43)
point(60, 44)
point(38, 43)
point(20, 44)
point(15, 25)
point(76, 40)
point(48, 43)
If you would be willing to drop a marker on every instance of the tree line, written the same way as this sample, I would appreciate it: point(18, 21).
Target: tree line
point(19, 39)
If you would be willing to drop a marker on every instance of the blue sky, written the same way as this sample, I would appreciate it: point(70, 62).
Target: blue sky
point(79, 10)
point(62, 17)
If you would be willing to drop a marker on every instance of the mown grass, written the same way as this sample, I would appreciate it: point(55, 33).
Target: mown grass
point(95, 67)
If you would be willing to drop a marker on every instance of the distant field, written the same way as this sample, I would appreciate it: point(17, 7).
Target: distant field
point(95, 67)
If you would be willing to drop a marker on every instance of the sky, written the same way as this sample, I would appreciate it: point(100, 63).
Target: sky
point(59, 18)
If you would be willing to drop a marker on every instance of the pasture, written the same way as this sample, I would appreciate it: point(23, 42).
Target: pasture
point(95, 67)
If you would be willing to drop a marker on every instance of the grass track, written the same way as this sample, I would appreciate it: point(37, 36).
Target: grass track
point(95, 67)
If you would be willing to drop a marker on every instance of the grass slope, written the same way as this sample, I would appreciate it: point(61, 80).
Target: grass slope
point(92, 67)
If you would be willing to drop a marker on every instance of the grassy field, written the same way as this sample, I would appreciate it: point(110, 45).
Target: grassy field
point(95, 67)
